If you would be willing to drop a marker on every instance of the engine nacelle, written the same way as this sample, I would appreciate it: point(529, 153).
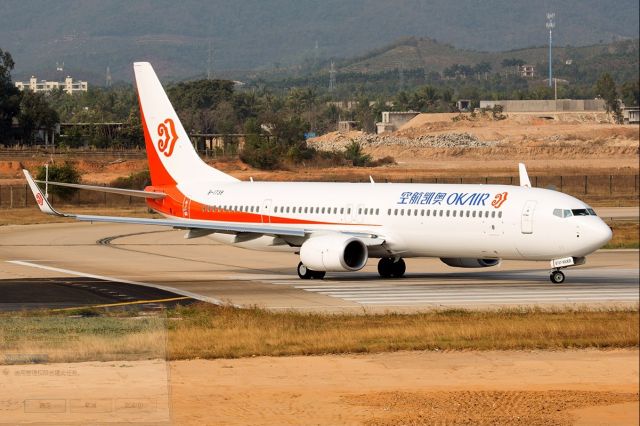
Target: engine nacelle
point(334, 253)
point(468, 262)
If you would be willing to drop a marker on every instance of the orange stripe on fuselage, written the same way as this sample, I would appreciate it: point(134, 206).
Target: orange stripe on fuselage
point(172, 205)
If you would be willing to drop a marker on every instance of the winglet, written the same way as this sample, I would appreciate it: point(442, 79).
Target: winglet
point(41, 200)
point(524, 177)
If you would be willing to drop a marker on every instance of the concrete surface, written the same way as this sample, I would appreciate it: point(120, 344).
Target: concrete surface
point(201, 268)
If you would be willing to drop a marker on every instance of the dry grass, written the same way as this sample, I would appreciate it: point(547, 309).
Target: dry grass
point(205, 331)
point(208, 332)
point(32, 215)
point(625, 235)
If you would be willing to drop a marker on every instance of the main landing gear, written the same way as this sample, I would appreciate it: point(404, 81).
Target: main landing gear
point(390, 267)
point(306, 273)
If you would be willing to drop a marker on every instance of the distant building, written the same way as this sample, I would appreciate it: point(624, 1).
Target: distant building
point(69, 86)
point(527, 71)
point(463, 105)
point(393, 120)
point(560, 105)
point(631, 115)
point(347, 126)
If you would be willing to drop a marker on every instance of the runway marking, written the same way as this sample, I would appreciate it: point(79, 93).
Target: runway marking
point(119, 280)
point(137, 302)
point(457, 291)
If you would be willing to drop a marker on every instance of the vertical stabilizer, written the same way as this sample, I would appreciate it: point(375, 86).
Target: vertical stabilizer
point(172, 159)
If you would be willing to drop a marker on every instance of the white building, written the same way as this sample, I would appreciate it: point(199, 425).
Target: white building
point(69, 86)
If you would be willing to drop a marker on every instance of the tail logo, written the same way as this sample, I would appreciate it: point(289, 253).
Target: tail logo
point(39, 199)
point(499, 199)
point(168, 137)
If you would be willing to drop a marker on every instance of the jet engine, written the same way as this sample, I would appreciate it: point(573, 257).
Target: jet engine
point(334, 253)
point(468, 262)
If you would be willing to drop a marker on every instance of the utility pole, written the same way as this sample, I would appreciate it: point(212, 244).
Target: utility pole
point(332, 77)
point(209, 62)
point(550, 26)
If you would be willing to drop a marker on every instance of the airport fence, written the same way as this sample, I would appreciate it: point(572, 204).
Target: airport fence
point(582, 186)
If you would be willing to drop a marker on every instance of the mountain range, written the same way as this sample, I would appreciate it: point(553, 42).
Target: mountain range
point(185, 39)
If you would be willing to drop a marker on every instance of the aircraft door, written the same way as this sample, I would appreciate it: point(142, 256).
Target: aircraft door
point(265, 211)
point(527, 217)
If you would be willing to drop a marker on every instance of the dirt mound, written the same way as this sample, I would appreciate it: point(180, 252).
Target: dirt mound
point(444, 140)
point(10, 169)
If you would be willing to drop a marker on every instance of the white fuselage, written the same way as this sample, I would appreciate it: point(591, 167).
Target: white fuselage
point(414, 220)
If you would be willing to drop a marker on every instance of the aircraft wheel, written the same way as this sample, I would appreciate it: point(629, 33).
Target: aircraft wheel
point(318, 275)
point(557, 277)
point(398, 268)
point(304, 272)
point(385, 267)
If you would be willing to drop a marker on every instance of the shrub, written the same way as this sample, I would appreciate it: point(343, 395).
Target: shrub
point(353, 152)
point(66, 173)
point(134, 181)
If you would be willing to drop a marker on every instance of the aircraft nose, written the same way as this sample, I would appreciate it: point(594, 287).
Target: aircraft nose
point(600, 233)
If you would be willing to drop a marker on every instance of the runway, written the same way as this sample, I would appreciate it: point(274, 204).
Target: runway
point(163, 260)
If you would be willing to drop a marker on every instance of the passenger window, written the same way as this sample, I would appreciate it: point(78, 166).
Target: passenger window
point(447, 212)
point(473, 213)
point(359, 211)
point(389, 212)
point(428, 212)
point(349, 211)
point(341, 210)
point(441, 213)
point(377, 212)
point(493, 214)
point(335, 210)
point(422, 212)
point(322, 210)
point(499, 214)
point(486, 214)
point(401, 212)
point(454, 213)
point(408, 212)
point(395, 212)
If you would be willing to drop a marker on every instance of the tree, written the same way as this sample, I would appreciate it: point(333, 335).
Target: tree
point(606, 89)
point(35, 114)
point(630, 92)
point(9, 95)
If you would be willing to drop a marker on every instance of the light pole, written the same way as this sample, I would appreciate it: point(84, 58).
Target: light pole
point(550, 26)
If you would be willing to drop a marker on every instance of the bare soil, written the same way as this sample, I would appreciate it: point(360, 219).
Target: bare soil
point(412, 388)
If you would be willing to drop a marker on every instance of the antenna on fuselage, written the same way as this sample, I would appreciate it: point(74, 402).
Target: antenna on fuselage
point(371, 179)
point(524, 177)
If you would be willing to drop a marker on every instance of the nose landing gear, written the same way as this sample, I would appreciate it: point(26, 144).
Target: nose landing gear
point(557, 277)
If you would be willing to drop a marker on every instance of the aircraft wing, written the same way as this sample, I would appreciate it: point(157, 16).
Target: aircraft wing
point(191, 224)
point(121, 191)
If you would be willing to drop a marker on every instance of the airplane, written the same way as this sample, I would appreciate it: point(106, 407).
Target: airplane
point(338, 227)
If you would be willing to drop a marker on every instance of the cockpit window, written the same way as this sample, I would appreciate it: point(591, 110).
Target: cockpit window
point(574, 212)
point(580, 212)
